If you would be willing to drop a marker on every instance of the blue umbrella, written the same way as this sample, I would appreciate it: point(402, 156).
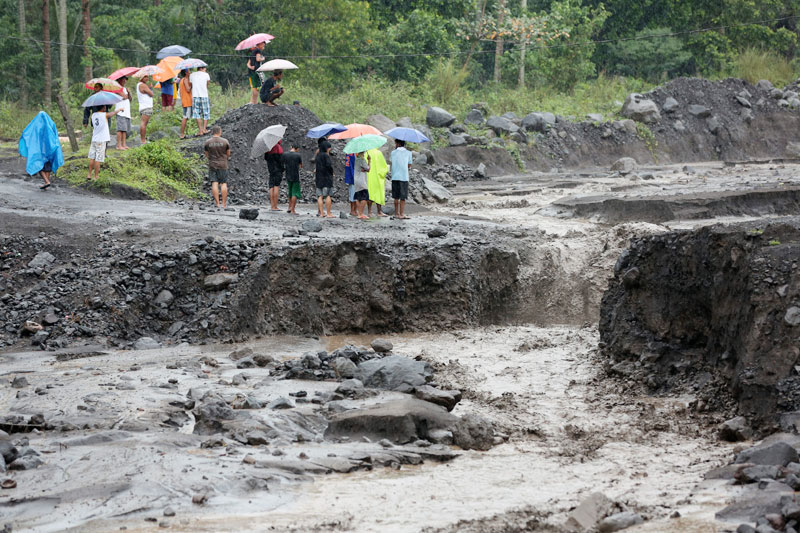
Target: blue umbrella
point(325, 129)
point(407, 134)
point(101, 98)
point(174, 50)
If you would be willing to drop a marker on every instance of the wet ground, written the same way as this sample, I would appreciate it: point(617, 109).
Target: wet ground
point(568, 433)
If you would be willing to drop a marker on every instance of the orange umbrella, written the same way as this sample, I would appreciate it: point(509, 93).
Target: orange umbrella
point(168, 66)
point(356, 130)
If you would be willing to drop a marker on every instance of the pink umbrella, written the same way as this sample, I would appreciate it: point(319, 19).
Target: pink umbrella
point(148, 70)
point(125, 71)
point(253, 40)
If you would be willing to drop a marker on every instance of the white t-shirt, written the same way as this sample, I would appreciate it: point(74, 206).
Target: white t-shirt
point(145, 100)
point(100, 127)
point(124, 104)
point(199, 81)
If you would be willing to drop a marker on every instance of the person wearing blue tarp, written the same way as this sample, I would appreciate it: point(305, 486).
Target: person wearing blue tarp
point(40, 145)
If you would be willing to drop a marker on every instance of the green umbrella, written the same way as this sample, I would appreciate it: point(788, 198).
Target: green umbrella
point(364, 143)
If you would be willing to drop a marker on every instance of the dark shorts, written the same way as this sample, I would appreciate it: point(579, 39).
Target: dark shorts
point(400, 190)
point(167, 99)
point(48, 167)
point(219, 175)
point(324, 191)
point(255, 80)
point(294, 189)
point(275, 181)
point(361, 196)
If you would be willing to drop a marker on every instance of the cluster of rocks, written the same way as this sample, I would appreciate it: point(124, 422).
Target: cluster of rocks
point(16, 454)
point(598, 513)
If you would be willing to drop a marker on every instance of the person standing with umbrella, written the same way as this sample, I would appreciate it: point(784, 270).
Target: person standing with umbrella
point(254, 61)
point(100, 136)
point(124, 117)
point(145, 96)
point(201, 108)
point(87, 111)
point(275, 168)
point(185, 89)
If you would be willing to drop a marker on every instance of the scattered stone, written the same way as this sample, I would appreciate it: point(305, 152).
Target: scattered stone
point(640, 109)
point(30, 327)
point(792, 316)
point(382, 122)
point(501, 125)
point(41, 260)
point(540, 122)
point(624, 165)
point(146, 343)
point(437, 117)
point(240, 353)
point(474, 118)
point(736, 429)
point(344, 368)
point(764, 85)
point(220, 280)
point(437, 232)
point(713, 125)
point(447, 399)
point(699, 111)
point(480, 172)
point(248, 214)
point(169, 511)
point(164, 298)
point(587, 515)
point(619, 521)
point(395, 372)
point(200, 498)
point(778, 453)
point(19, 382)
point(350, 387)
point(281, 403)
point(50, 319)
point(744, 101)
point(382, 345)
point(752, 474)
point(595, 117)
point(670, 105)
point(311, 226)
point(455, 139)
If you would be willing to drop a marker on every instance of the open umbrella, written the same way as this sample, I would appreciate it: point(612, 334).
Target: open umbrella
point(266, 139)
point(168, 65)
point(147, 70)
point(355, 130)
point(407, 134)
point(276, 64)
point(124, 71)
point(101, 98)
point(253, 40)
point(173, 50)
point(190, 63)
point(108, 84)
point(323, 130)
point(364, 143)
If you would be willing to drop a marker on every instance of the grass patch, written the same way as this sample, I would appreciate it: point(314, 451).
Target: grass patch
point(754, 64)
point(646, 135)
point(157, 169)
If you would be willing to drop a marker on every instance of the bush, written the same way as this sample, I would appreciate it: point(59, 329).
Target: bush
point(651, 55)
point(755, 64)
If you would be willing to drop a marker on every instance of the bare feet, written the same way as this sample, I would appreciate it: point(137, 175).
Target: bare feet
point(363, 217)
point(330, 216)
point(382, 215)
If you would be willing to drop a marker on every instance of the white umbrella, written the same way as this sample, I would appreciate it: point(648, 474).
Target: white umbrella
point(277, 64)
point(266, 140)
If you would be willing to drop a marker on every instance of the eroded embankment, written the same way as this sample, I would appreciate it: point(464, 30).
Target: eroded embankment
point(715, 311)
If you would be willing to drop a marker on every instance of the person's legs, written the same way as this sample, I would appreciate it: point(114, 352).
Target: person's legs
point(292, 204)
point(143, 128)
point(224, 195)
point(328, 206)
point(403, 209)
point(253, 95)
point(274, 193)
point(379, 210)
point(120, 144)
point(183, 127)
point(397, 208)
point(215, 192)
point(320, 212)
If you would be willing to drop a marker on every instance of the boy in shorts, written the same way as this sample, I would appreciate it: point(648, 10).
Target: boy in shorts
point(293, 162)
point(218, 151)
point(400, 159)
point(100, 136)
point(323, 180)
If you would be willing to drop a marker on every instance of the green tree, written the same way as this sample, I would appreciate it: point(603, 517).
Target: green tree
point(652, 55)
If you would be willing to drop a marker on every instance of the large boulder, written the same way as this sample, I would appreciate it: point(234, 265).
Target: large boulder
point(455, 139)
point(540, 122)
point(436, 190)
point(220, 280)
point(502, 125)
point(699, 111)
point(439, 118)
point(640, 109)
point(395, 372)
point(778, 453)
point(474, 118)
point(382, 122)
point(624, 165)
point(42, 259)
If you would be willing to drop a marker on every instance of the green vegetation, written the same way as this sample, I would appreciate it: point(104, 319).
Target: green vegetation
point(755, 64)
point(646, 135)
point(157, 169)
point(774, 242)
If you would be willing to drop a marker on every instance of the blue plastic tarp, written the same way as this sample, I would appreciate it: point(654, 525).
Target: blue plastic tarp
point(39, 144)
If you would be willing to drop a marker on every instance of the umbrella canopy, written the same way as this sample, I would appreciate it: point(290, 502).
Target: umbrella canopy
point(173, 50)
point(324, 130)
point(101, 98)
point(364, 143)
point(107, 83)
point(168, 66)
point(266, 139)
point(148, 70)
point(276, 64)
point(355, 130)
point(190, 63)
point(124, 71)
point(253, 40)
point(407, 134)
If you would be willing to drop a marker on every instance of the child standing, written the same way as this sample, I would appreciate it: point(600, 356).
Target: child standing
point(100, 136)
point(275, 168)
point(361, 184)
point(323, 180)
point(293, 162)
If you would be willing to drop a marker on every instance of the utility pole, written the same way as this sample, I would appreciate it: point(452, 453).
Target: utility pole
point(523, 4)
point(63, 65)
point(498, 51)
point(48, 67)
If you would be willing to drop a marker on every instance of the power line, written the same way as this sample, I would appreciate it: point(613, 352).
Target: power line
point(436, 54)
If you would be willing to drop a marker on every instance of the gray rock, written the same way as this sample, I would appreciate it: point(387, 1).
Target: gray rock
point(619, 521)
point(699, 111)
point(405, 122)
point(670, 105)
point(19, 382)
point(588, 513)
point(42, 259)
point(624, 165)
point(480, 172)
point(436, 190)
point(640, 109)
point(164, 297)
point(764, 85)
point(778, 453)
point(28, 462)
point(240, 353)
point(595, 117)
point(473, 432)
point(281, 403)
point(713, 125)
point(511, 116)
point(437, 232)
point(474, 118)
point(747, 116)
point(382, 122)
point(627, 125)
point(344, 368)
point(519, 137)
point(752, 474)
point(350, 386)
point(792, 150)
point(441, 436)
point(783, 103)
point(262, 360)
point(248, 214)
point(446, 398)
point(382, 345)
point(745, 528)
point(437, 117)
point(50, 319)
point(540, 122)
point(776, 94)
point(455, 139)
point(146, 343)
point(792, 316)
point(394, 372)
point(679, 127)
point(736, 429)
point(219, 280)
point(311, 226)
point(501, 125)
point(743, 101)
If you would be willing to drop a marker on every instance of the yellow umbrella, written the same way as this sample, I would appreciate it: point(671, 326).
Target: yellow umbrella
point(167, 65)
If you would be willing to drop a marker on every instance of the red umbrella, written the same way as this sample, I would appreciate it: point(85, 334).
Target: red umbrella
point(125, 71)
point(356, 130)
point(253, 40)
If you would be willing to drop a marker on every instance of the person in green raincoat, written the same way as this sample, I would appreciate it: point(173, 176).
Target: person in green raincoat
point(375, 179)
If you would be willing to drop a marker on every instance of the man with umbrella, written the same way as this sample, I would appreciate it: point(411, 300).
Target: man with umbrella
point(254, 61)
